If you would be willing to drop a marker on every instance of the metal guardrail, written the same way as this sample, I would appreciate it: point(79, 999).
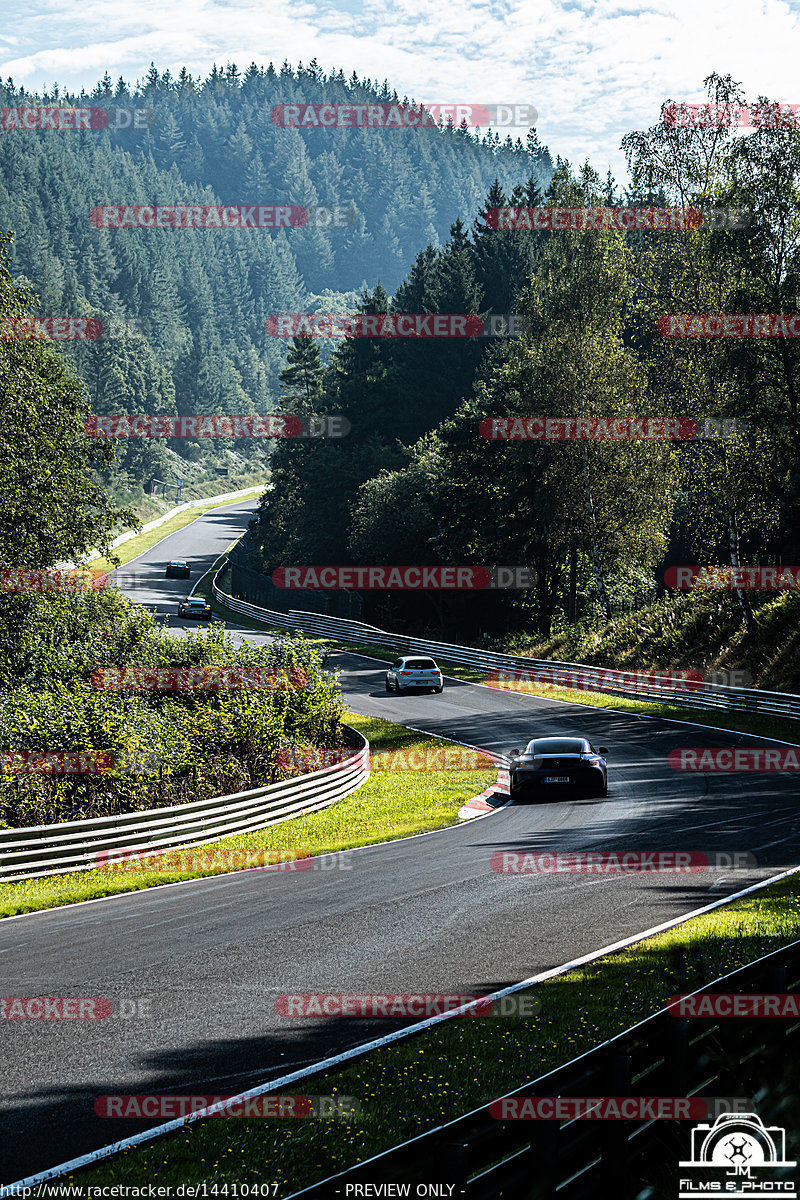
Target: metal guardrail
point(482, 1157)
point(36, 851)
point(521, 671)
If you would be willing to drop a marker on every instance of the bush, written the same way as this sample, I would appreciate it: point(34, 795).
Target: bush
point(164, 748)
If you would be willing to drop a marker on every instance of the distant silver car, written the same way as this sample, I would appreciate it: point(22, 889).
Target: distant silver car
point(414, 671)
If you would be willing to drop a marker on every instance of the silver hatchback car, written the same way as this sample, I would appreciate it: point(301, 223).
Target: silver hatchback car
point(413, 671)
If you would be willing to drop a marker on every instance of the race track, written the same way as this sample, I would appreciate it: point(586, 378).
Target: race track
point(423, 915)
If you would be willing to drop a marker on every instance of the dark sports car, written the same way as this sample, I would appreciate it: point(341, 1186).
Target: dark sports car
point(195, 606)
point(552, 767)
point(177, 568)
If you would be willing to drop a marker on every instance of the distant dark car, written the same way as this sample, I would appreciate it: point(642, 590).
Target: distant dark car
point(195, 606)
point(177, 568)
point(413, 671)
point(553, 767)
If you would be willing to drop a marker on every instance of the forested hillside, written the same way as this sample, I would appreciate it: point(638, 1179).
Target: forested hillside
point(598, 520)
point(202, 296)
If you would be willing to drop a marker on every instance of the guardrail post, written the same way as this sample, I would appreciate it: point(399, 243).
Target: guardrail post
point(676, 1057)
point(454, 1164)
point(546, 1147)
point(613, 1171)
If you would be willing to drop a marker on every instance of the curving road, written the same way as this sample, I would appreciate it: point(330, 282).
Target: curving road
point(424, 915)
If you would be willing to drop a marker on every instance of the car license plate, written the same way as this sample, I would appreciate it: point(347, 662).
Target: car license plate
point(556, 779)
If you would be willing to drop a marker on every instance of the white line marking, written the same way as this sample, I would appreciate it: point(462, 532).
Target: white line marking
point(377, 1043)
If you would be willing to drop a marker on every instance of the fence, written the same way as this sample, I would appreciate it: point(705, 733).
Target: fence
point(485, 1158)
point(664, 689)
point(37, 851)
point(256, 588)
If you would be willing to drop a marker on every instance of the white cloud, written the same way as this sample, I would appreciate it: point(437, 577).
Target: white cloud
point(594, 70)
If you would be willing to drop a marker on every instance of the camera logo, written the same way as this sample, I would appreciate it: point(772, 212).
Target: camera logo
point(738, 1143)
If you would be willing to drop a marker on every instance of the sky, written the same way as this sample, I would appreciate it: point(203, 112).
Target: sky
point(592, 70)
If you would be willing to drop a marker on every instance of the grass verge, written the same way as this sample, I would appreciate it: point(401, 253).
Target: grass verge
point(781, 728)
point(391, 804)
point(446, 1071)
point(145, 541)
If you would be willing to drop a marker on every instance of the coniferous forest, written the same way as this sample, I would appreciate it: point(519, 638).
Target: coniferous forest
point(413, 480)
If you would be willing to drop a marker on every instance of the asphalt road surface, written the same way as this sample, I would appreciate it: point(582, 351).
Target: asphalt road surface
point(200, 544)
point(425, 915)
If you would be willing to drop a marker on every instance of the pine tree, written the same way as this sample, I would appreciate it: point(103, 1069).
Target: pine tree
point(301, 378)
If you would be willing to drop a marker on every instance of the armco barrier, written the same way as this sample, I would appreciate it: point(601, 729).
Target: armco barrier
point(482, 1157)
point(37, 851)
point(697, 695)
